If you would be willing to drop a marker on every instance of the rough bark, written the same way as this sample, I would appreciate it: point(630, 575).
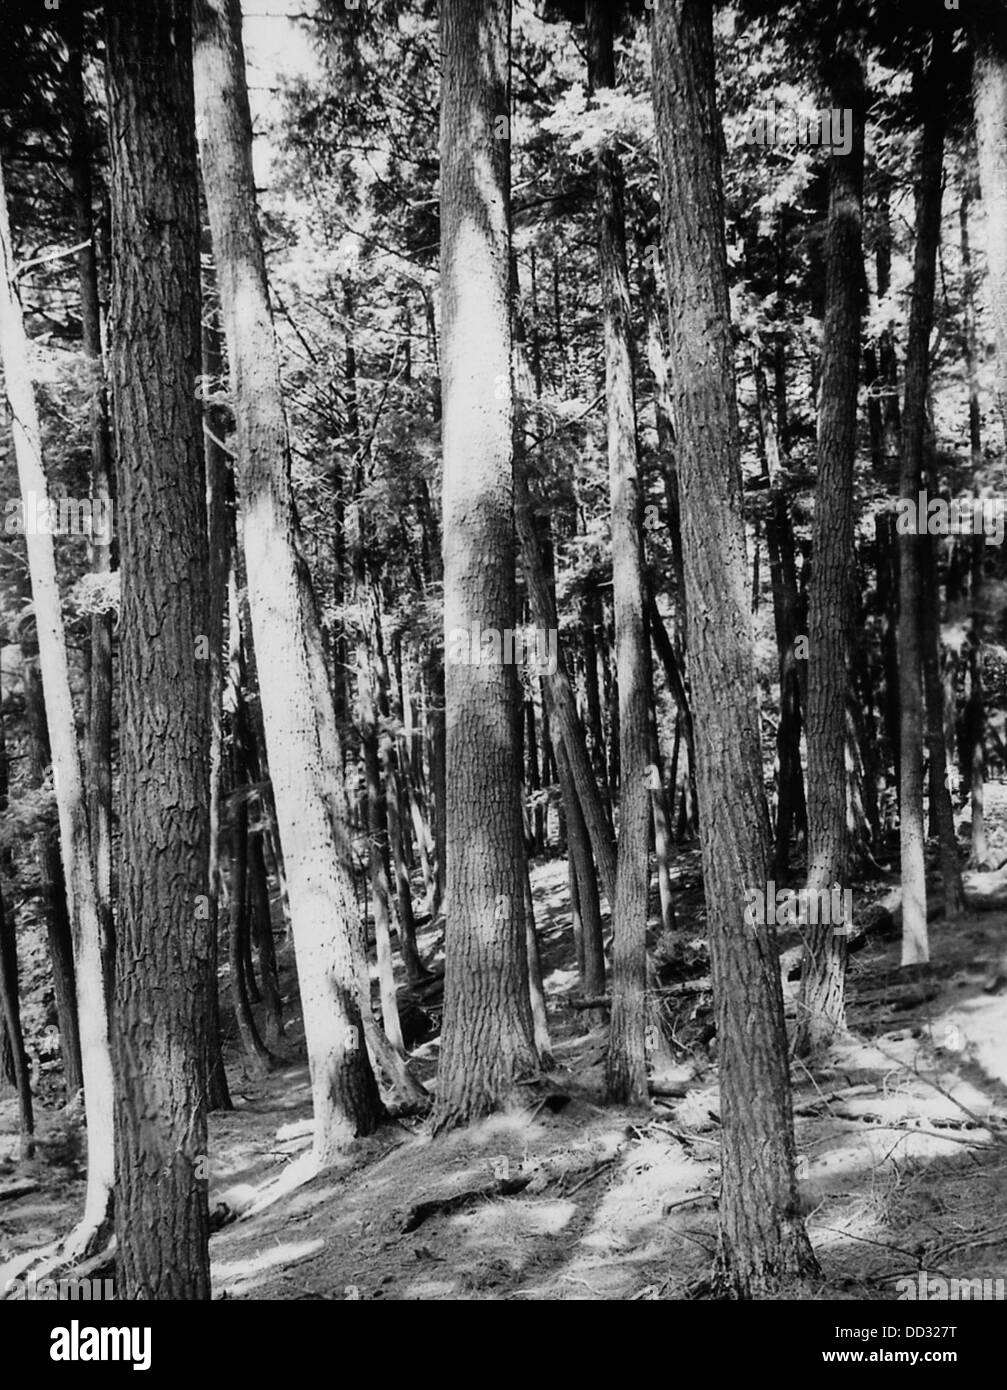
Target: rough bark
point(832, 598)
point(762, 1241)
point(488, 1045)
point(163, 947)
point(15, 1057)
point(58, 933)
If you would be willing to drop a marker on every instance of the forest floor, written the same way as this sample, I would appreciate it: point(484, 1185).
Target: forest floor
point(901, 1135)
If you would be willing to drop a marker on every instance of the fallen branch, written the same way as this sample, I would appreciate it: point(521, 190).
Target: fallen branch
point(14, 1190)
point(422, 1211)
point(592, 1175)
point(810, 1107)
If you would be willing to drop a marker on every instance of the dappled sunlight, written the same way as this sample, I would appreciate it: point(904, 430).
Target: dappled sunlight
point(280, 1256)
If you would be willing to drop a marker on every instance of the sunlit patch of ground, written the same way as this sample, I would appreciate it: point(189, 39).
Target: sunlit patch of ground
point(902, 1160)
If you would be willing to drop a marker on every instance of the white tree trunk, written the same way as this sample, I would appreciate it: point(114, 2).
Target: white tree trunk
point(73, 825)
point(322, 901)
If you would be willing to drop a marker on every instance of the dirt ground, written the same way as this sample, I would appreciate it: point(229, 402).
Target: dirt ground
point(901, 1136)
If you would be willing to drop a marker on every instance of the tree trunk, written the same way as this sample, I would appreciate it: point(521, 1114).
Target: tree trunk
point(488, 1045)
point(163, 949)
point(262, 934)
point(763, 1244)
point(626, 1065)
point(219, 530)
point(15, 1057)
point(304, 773)
point(536, 989)
point(10, 1013)
point(942, 816)
point(258, 1054)
point(831, 607)
point(792, 810)
point(58, 933)
point(915, 946)
point(591, 952)
point(98, 755)
point(75, 844)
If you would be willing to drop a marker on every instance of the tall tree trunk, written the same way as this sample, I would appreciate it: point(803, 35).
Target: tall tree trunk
point(305, 774)
point(75, 842)
point(792, 810)
point(831, 607)
point(975, 721)
point(163, 949)
point(259, 1055)
point(488, 1044)
point(219, 530)
point(10, 1014)
point(58, 933)
point(591, 951)
point(626, 1064)
point(536, 989)
point(762, 1240)
point(10, 995)
point(98, 755)
point(562, 706)
point(942, 818)
point(915, 946)
point(989, 105)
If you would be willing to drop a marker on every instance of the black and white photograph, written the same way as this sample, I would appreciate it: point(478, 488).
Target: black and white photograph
point(503, 670)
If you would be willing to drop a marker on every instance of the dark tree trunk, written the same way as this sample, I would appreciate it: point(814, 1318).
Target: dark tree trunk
point(763, 1244)
point(791, 811)
point(932, 90)
point(163, 948)
point(832, 599)
point(58, 934)
point(15, 1058)
point(942, 817)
